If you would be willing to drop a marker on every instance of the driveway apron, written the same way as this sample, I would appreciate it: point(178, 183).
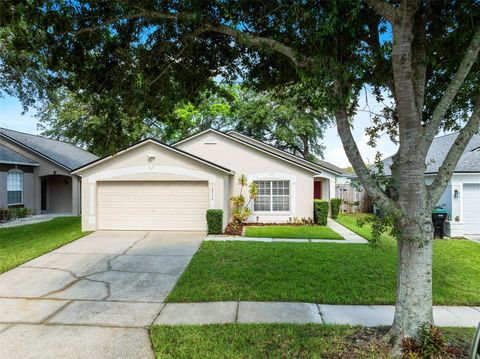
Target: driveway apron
point(92, 298)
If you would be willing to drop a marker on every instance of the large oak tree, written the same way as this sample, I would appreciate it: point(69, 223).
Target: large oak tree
point(421, 53)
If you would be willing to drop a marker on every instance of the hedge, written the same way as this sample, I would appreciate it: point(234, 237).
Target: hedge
point(214, 221)
point(335, 204)
point(7, 214)
point(320, 211)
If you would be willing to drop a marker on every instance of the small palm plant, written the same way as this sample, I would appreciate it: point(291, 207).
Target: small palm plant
point(241, 208)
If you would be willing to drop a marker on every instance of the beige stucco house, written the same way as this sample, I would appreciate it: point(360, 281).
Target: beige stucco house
point(35, 172)
point(153, 186)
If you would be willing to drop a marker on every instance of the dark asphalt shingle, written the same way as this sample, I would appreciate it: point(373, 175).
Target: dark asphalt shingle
point(66, 154)
point(7, 155)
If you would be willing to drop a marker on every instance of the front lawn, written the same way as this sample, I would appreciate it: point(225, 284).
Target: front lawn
point(282, 341)
point(23, 243)
point(350, 221)
point(322, 273)
point(306, 232)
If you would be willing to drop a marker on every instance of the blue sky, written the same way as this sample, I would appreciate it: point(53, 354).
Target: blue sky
point(11, 117)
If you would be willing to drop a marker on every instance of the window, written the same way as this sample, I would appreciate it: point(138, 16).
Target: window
point(272, 196)
point(15, 187)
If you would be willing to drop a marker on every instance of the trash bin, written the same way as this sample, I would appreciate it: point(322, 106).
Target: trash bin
point(439, 216)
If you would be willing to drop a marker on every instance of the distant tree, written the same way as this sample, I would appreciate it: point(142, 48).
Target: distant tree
point(286, 120)
point(285, 117)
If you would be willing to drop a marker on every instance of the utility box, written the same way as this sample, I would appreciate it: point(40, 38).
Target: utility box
point(439, 216)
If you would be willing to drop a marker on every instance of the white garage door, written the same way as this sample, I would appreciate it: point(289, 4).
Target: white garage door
point(158, 205)
point(471, 208)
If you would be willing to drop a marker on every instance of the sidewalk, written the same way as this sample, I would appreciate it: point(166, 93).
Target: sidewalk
point(302, 313)
point(350, 237)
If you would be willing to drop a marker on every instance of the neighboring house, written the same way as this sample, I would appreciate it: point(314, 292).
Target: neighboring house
point(153, 186)
point(462, 196)
point(35, 172)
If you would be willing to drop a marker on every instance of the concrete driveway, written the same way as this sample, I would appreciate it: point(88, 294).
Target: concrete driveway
point(92, 298)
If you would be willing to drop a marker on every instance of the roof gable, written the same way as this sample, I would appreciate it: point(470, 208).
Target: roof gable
point(64, 154)
point(323, 165)
point(157, 143)
point(251, 145)
point(10, 156)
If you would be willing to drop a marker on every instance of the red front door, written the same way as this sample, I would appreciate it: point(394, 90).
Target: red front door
point(317, 190)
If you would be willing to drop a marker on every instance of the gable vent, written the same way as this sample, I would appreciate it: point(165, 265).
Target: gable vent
point(210, 141)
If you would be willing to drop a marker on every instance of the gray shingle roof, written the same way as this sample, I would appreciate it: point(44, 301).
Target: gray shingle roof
point(469, 161)
point(7, 155)
point(65, 154)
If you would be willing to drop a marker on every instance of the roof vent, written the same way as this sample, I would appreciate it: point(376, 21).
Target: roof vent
point(210, 141)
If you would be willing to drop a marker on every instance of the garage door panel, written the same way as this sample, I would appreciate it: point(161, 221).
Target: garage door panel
point(156, 205)
point(471, 208)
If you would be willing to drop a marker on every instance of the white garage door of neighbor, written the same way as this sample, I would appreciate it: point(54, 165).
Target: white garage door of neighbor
point(471, 208)
point(156, 205)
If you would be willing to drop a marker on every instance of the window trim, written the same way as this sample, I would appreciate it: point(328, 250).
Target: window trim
point(22, 190)
point(271, 196)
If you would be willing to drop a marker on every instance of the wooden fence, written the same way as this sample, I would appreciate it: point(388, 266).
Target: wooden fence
point(354, 199)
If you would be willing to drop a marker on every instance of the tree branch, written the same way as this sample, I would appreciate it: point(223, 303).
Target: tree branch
point(353, 154)
point(445, 172)
point(384, 9)
point(262, 42)
point(297, 58)
point(140, 13)
point(468, 60)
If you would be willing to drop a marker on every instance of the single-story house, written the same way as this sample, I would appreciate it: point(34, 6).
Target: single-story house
point(35, 172)
point(154, 186)
point(462, 196)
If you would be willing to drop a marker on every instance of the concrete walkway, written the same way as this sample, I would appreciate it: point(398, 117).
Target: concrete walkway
point(350, 237)
point(473, 237)
point(92, 298)
point(303, 313)
point(37, 218)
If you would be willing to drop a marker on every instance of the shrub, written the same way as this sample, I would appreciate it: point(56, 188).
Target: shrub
point(241, 208)
point(430, 344)
point(335, 204)
point(305, 221)
point(19, 212)
point(4, 214)
point(320, 211)
point(214, 221)
point(7, 214)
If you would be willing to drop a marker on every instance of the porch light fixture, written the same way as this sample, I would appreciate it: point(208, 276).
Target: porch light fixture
point(456, 193)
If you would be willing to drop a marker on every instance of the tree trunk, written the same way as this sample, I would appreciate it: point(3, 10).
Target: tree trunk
point(414, 279)
point(306, 147)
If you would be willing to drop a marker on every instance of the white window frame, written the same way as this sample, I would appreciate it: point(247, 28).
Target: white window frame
point(271, 196)
point(16, 171)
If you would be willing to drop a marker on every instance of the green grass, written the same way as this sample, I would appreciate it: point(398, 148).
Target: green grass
point(322, 273)
point(280, 341)
point(307, 232)
point(21, 244)
point(350, 221)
